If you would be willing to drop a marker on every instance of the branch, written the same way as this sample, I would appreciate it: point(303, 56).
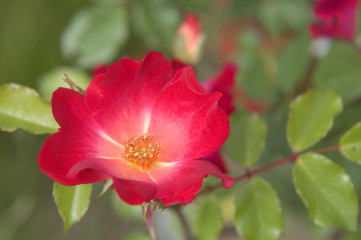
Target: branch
point(249, 174)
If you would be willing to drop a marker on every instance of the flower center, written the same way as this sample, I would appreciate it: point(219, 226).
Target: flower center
point(141, 151)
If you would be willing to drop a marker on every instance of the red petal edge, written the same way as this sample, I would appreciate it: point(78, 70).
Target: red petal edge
point(120, 99)
point(179, 182)
point(134, 192)
point(193, 127)
point(79, 138)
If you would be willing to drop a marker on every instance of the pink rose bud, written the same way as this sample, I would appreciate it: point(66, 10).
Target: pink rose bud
point(189, 40)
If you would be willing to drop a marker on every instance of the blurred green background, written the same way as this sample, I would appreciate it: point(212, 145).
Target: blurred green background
point(29, 47)
point(269, 40)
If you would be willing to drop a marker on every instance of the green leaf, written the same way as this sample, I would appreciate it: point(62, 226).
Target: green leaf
point(246, 141)
point(350, 144)
point(340, 70)
point(208, 221)
point(327, 191)
point(53, 79)
point(259, 68)
point(95, 35)
point(195, 6)
point(155, 22)
point(106, 187)
point(311, 117)
point(21, 107)
point(279, 16)
point(245, 8)
point(290, 72)
point(258, 211)
point(72, 202)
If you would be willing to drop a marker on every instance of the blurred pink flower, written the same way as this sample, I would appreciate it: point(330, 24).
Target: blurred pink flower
point(337, 19)
point(189, 40)
point(224, 83)
point(99, 69)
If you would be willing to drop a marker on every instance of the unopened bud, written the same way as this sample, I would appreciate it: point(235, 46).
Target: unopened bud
point(189, 40)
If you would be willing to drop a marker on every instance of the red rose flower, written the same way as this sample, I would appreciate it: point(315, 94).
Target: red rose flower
point(141, 124)
point(225, 102)
point(223, 83)
point(337, 19)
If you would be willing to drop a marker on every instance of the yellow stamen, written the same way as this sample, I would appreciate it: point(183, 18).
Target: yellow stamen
point(141, 151)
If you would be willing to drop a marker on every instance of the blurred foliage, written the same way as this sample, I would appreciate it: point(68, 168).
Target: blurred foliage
point(340, 70)
point(95, 35)
point(155, 22)
point(246, 140)
point(290, 71)
point(40, 40)
point(208, 222)
point(51, 80)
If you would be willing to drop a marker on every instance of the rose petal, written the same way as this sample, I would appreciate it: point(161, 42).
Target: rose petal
point(193, 127)
point(179, 182)
point(117, 168)
point(120, 101)
point(79, 138)
point(176, 64)
point(217, 159)
point(134, 192)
